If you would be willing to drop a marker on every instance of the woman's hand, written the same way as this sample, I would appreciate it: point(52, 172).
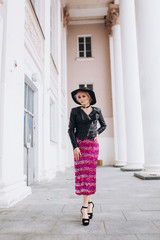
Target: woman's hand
point(96, 138)
point(77, 153)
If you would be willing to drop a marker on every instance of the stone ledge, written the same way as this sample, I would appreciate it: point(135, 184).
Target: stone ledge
point(131, 169)
point(118, 166)
point(147, 176)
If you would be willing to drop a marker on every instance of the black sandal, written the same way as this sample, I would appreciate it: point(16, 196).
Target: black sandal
point(91, 214)
point(85, 221)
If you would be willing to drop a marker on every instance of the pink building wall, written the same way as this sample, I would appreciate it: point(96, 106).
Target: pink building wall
point(94, 71)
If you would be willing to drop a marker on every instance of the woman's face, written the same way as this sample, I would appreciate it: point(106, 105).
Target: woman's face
point(83, 98)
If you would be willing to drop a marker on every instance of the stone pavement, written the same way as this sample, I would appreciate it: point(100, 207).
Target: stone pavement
point(126, 208)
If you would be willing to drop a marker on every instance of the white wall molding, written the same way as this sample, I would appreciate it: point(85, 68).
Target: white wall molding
point(88, 21)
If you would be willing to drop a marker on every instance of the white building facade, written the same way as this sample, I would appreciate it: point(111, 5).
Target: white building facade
point(33, 96)
point(49, 48)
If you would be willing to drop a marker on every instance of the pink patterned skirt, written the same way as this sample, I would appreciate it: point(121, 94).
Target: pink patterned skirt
point(85, 167)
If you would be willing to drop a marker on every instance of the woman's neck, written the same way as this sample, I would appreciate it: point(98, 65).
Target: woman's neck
point(86, 106)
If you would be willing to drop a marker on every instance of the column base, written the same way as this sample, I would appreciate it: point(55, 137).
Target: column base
point(13, 193)
point(151, 172)
point(152, 168)
point(132, 167)
point(147, 176)
point(118, 165)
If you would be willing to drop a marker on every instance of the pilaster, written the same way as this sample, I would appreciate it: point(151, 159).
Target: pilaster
point(113, 29)
point(12, 180)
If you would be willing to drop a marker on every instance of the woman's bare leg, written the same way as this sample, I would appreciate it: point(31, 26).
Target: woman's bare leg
point(85, 204)
point(89, 205)
point(85, 200)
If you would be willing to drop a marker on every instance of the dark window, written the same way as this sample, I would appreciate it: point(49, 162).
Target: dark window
point(84, 44)
point(88, 54)
point(90, 86)
point(81, 47)
point(81, 85)
point(81, 54)
point(81, 40)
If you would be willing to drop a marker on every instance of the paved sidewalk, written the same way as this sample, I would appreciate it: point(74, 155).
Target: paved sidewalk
point(126, 208)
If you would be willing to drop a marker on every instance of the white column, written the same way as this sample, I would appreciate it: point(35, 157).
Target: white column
point(1, 89)
point(134, 134)
point(113, 25)
point(113, 99)
point(1, 40)
point(12, 180)
point(148, 38)
point(61, 160)
point(118, 77)
point(1, 93)
point(48, 171)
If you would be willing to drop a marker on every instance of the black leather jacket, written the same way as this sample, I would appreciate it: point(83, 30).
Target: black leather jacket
point(82, 125)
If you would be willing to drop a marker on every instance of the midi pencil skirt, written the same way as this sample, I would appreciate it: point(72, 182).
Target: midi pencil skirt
point(85, 167)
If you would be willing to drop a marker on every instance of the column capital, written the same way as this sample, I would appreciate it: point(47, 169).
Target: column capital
point(66, 16)
point(112, 18)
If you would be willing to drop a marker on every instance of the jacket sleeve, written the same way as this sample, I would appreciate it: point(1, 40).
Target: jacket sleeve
point(103, 124)
point(71, 129)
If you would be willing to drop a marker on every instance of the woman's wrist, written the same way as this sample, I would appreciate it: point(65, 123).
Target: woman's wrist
point(75, 148)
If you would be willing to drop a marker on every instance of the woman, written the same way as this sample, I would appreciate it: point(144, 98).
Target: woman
point(83, 133)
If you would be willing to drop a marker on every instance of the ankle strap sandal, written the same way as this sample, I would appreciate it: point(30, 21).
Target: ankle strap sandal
point(91, 214)
point(85, 221)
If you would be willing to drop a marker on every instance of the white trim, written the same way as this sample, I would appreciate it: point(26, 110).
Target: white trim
point(84, 58)
point(29, 82)
point(80, 22)
point(89, 12)
point(54, 32)
point(29, 47)
point(54, 138)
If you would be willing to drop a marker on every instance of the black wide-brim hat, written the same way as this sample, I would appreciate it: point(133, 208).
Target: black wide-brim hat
point(84, 89)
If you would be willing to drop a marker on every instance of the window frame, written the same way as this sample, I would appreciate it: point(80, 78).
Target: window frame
point(85, 51)
point(28, 114)
point(86, 85)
